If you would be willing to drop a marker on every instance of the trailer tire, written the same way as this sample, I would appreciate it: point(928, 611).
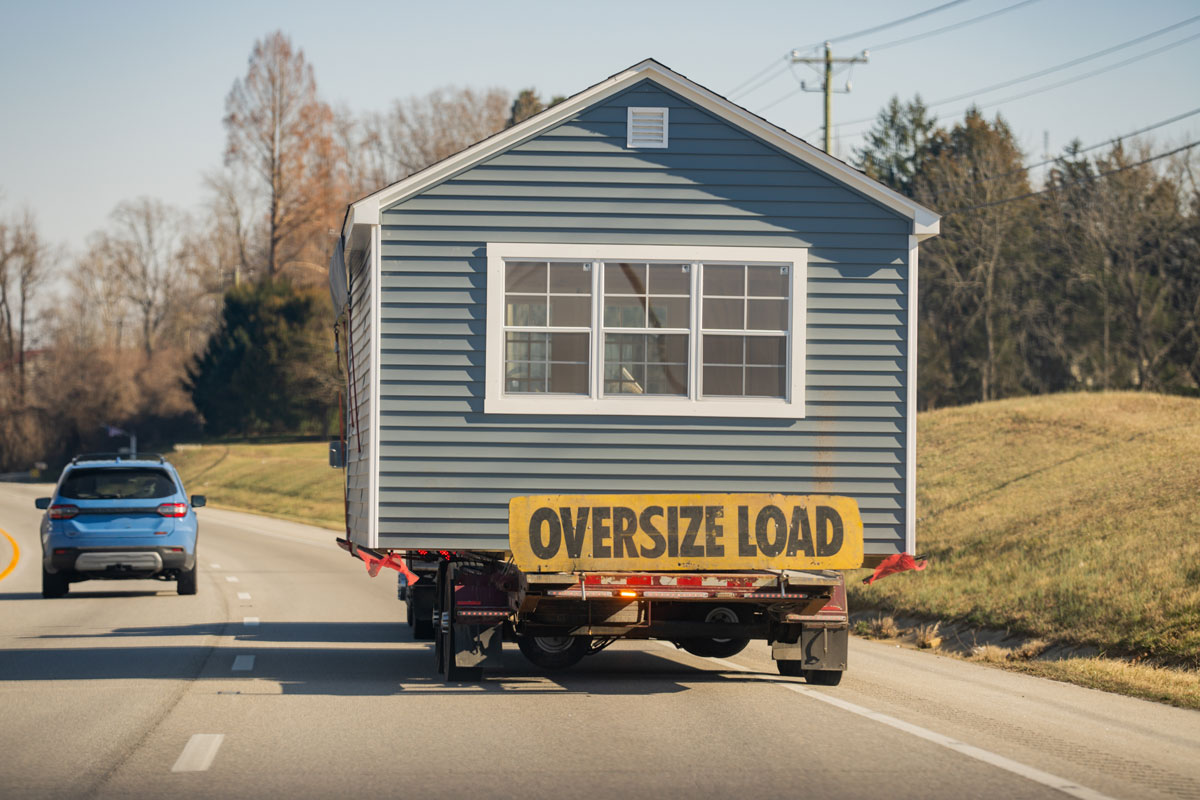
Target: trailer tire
point(554, 652)
point(823, 677)
point(715, 647)
point(419, 616)
point(791, 668)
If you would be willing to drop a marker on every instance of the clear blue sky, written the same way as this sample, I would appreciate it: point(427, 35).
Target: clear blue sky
point(105, 101)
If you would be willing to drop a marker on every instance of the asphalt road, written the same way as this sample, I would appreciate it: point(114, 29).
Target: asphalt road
point(291, 674)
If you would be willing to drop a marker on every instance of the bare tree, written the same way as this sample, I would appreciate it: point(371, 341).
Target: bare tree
point(279, 128)
point(970, 267)
point(419, 131)
point(23, 265)
point(143, 249)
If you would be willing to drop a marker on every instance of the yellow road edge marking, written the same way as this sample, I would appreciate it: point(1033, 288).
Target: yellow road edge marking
point(16, 555)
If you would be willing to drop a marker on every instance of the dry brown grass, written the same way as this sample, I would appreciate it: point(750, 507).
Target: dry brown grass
point(929, 637)
point(883, 627)
point(1068, 517)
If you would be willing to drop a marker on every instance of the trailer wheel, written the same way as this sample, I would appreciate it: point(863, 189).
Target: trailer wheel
point(823, 677)
point(791, 668)
point(554, 652)
point(419, 613)
point(715, 647)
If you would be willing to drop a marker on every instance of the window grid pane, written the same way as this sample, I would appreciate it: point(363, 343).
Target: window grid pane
point(650, 364)
point(549, 295)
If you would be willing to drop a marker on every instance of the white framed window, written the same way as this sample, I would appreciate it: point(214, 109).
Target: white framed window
point(645, 329)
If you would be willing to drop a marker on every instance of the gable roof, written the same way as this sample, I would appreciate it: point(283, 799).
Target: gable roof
point(366, 211)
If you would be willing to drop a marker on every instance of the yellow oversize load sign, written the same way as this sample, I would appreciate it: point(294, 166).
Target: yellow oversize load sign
point(636, 532)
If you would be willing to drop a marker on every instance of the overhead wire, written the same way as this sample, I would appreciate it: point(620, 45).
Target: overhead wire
point(1048, 87)
point(954, 26)
point(1059, 67)
point(1085, 179)
point(739, 90)
point(1110, 141)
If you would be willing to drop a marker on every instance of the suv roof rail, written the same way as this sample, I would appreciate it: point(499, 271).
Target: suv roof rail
point(118, 457)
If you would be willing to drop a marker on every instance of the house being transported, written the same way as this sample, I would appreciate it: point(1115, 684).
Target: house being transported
point(643, 289)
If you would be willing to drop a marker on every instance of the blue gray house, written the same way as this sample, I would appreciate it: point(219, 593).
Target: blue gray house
point(644, 289)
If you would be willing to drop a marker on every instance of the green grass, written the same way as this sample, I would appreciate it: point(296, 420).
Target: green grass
point(288, 480)
point(1074, 518)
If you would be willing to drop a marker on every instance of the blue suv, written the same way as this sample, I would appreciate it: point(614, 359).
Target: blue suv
point(118, 517)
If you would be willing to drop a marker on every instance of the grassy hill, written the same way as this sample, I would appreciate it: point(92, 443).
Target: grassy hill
point(290, 480)
point(1075, 518)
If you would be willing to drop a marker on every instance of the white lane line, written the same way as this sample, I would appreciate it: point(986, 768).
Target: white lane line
point(249, 622)
point(199, 752)
point(243, 663)
point(970, 751)
point(243, 595)
point(231, 578)
point(214, 566)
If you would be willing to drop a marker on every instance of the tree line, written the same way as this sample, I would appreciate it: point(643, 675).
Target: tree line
point(1090, 281)
point(214, 321)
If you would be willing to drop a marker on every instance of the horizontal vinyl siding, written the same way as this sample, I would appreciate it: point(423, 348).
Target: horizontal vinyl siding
point(358, 403)
point(447, 470)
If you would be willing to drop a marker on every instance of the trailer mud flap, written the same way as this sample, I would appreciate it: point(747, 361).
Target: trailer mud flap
point(819, 648)
point(477, 646)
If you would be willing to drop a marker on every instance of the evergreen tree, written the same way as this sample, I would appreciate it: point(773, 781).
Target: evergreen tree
point(269, 367)
point(898, 145)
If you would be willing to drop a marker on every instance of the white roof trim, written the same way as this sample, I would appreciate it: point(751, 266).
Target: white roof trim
point(367, 210)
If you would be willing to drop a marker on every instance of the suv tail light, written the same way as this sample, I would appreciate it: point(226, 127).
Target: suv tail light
point(63, 512)
point(173, 509)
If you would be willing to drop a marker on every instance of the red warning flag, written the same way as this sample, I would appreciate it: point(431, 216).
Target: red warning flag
point(375, 564)
point(901, 562)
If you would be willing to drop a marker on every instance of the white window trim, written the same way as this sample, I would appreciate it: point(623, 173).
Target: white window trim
point(497, 402)
point(630, 141)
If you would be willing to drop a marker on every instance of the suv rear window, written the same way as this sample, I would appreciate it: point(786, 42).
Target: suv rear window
point(124, 483)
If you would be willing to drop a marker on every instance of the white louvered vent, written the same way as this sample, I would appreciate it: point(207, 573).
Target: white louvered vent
point(647, 127)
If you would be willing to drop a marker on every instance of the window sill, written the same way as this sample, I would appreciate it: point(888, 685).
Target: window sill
point(645, 406)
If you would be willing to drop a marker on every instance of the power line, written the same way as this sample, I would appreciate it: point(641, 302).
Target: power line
point(779, 69)
point(843, 37)
point(954, 26)
point(756, 76)
point(1048, 70)
point(1067, 64)
point(1098, 145)
point(886, 25)
point(1086, 179)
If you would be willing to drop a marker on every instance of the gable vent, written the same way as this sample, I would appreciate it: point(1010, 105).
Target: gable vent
point(647, 127)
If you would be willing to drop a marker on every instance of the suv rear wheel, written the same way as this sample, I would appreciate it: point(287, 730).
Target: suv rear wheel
point(54, 584)
point(187, 581)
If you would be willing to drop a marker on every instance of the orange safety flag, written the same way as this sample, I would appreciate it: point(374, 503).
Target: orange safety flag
point(374, 565)
point(901, 562)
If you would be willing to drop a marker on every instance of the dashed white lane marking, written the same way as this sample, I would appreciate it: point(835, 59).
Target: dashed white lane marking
point(249, 622)
point(243, 663)
point(243, 595)
point(1063, 785)
point(231, 578)
point(199, 752)
point(214, 566)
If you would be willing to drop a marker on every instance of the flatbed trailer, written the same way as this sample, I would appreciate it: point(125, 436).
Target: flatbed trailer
point(470, 602)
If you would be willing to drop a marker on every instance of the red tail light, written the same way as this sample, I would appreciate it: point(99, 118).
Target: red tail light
point(63, 512)
point(173, 509)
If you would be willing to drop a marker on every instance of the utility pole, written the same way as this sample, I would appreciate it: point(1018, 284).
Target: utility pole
point(827, 84)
